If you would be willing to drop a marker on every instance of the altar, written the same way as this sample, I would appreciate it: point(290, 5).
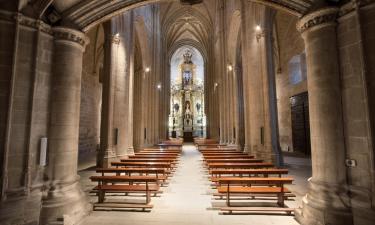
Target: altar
point(187, 117)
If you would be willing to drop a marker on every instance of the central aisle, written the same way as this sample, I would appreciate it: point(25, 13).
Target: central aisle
point(185, 201)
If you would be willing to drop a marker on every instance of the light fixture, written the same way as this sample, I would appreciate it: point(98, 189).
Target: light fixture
point(216, 84)
point(116, 38)
point(230, 67)
point(147, 69)
point(258, 32)
point(158, 86)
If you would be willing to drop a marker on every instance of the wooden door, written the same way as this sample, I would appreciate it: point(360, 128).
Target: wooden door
point(300, 123)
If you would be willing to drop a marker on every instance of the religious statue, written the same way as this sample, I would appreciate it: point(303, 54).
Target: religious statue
point(187, 57)
point(187, 112)
point(198, 106)
point(176, 107)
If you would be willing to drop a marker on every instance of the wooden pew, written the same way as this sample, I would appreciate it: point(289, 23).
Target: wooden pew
point(161, 151)
point(273, 186)
point(220, 151)
point(150, 156)
point(223, 154)
point(143, 164)
point(210, 145)
point(229, 157)
point(233, 160)
point(103, 188)
point(157, 153)
point(173, 162)
point(169, 160)
point(248, 172)
point(160, 173)
point(212, 166)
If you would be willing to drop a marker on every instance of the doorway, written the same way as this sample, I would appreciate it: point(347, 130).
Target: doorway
point(300, 123)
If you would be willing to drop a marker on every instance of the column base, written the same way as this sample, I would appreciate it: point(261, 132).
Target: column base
point(108, 158)
point(21, 209)
point(65, 204)
point(361, 201)
point(131, 150)
point(246, 148)
point(325, 204)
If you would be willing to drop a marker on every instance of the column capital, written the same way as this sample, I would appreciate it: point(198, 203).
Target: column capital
point(113, 38)
point(71, 35)
point(326, 16)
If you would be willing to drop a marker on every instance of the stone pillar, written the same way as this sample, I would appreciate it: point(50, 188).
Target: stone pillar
point(247, 42)
point(130, 133)
point(64, 199)
point(106, 128)
point(327, 199)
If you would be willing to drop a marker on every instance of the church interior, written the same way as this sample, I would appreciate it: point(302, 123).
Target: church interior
point(182, 112)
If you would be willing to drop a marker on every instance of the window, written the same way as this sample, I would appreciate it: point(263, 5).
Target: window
point(297, 69)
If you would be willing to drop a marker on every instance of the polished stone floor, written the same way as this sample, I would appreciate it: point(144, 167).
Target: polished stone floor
point(187, 199)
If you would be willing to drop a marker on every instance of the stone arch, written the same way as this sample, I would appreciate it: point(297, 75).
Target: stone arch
point(234, 28)
point(84, 14)
point(190, 43)
point(142, 37)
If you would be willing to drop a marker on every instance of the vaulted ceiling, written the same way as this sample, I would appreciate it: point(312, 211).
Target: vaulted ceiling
point(181, 23)
point(84, 14)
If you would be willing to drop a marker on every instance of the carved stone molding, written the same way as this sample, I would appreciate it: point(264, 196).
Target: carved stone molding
point(320, 17)
point(68, 34)
point(25, 21)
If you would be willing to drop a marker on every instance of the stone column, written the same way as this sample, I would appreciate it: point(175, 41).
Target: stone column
point(247, 39)
point(64, 199)
point(327, 199)
point(106, 128)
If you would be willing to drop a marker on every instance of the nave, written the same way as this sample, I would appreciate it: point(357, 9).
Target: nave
point(188, 197)
point(98, 82)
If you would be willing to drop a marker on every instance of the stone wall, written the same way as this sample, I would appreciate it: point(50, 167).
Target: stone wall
point(290, 43)
point(26, 63)
point(355, 109)
point(89, 128)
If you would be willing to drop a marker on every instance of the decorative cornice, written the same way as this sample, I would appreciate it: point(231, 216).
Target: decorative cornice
point(352, 5)
point(320, 17)
point(25, 21)
point(68, 34)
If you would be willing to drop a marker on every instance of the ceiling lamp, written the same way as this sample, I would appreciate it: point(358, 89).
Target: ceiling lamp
point(190, 2)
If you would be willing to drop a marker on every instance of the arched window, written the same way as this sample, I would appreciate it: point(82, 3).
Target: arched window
point(297, 69)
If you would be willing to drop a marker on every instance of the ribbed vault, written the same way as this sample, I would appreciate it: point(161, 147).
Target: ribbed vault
point(84, 14)
point(186, 24)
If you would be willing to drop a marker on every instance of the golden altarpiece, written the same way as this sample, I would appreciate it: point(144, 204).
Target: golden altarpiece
point(187, 118)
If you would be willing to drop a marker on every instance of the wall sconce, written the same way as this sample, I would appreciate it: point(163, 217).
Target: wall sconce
point(116, 38)
point(258, 32)
point(216, 84)
point(147, 69)
point(158, 86)
point(230, 68)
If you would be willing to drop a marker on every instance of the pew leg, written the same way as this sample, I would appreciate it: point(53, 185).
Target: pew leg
point(101, 196)
point(148, 197)
point(280, 200)
point(228, 196)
